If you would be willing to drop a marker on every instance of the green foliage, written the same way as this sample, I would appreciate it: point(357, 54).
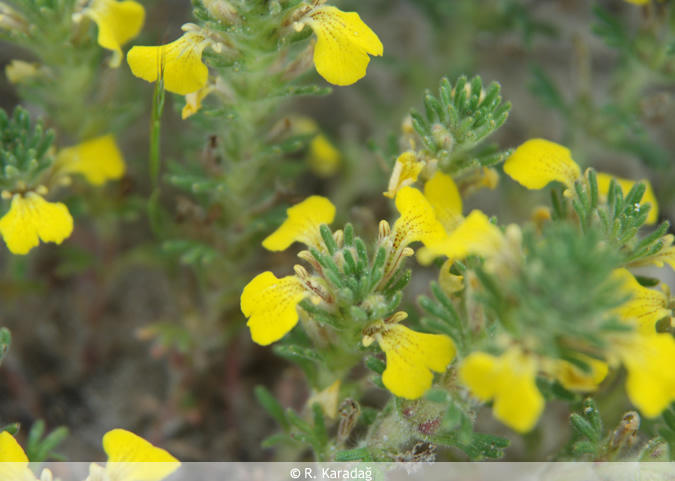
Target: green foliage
point(444, 317)
point(23, 148)
point(667, 430)
point(459, 119)
point(531, 302)
point(478, 447)
point(40, 447)
point(5, 342)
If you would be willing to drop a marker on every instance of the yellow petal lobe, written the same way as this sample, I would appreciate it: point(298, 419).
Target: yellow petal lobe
point(647, 306)
point(475, 236)
point(411, 356)
point(13, 460)
point(443, 195)
point(406, 170)
point(118, 22)
point(302, 224)
point(323, 158)
point(651, 382)
point(271, 306)
point(193, 101)
point(98, 160)
point(418, 221)
point(574, 379)
point(30, 219)
point(538, 162)
point(180, 62)
point(343, 45)
point(511, 381)
point(626, 185)
point(132, 458)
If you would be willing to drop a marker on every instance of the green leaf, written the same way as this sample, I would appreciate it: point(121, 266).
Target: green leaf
point(272, 406)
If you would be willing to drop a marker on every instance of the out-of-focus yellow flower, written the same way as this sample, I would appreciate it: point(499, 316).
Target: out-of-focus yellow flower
point(443, 195)
point(604, 181)
point(327, 399)
point(18, 71)
point(343, 44)
point(411, 357)
point(323, 158)
point(406, 170)
point(271, 306)
point(650, 384)
point(574, 379)
point(132, 458)
point(30, 219)
point(179, 63)
point(417, 222)
point(538, 162)
point(98, 160)
point(118, 22)
point(508, 379)
point(302, 225)
point(646, 306)
point(476, 235)
point(449, 282)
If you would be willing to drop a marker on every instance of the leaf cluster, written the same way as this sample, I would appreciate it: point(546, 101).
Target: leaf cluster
point(458, 120)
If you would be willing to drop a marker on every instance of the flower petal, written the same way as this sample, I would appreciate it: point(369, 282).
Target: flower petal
point(411, 356)
point(443, 195)
point(475, 236)
point(98, 160)
point(10, 450)
point(647, 306)
point(132, 458)
point(118, 22)
point(343, 45)
point(604, 181)
point(573, 378)
point(180, 63)
point(418, 221)
point(30, 218)
point(302, 224)
point(271, 306)
point(538, 162)
point(406, 170)
point(651, 380)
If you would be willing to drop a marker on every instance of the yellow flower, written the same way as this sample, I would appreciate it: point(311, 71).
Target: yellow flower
point(646, 306)
point(406, 170)
point(443, 195)
point(118, 22)
point(327, 399)
point(302, 224)
point(411, 356)
point(13, 460)
point(538, 162)
point(179, 63)
point(193, 101)
point(449, 282)
point(343, 44)
point(476, 235)
point(604, 181)
point(31, 218)
point(271, 306)
point(98, 160)
point(574, 379)
point(510, 381)
point(417, 222)
point(18, 71)
point(651, 380)
point(323, 158)
point(132, 458)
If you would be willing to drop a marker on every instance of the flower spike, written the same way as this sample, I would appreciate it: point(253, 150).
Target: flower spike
point(343, 44)
point(179, 62)
point(30, 219)
point(302, 225)
point(271, 306)
point(118, 22)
